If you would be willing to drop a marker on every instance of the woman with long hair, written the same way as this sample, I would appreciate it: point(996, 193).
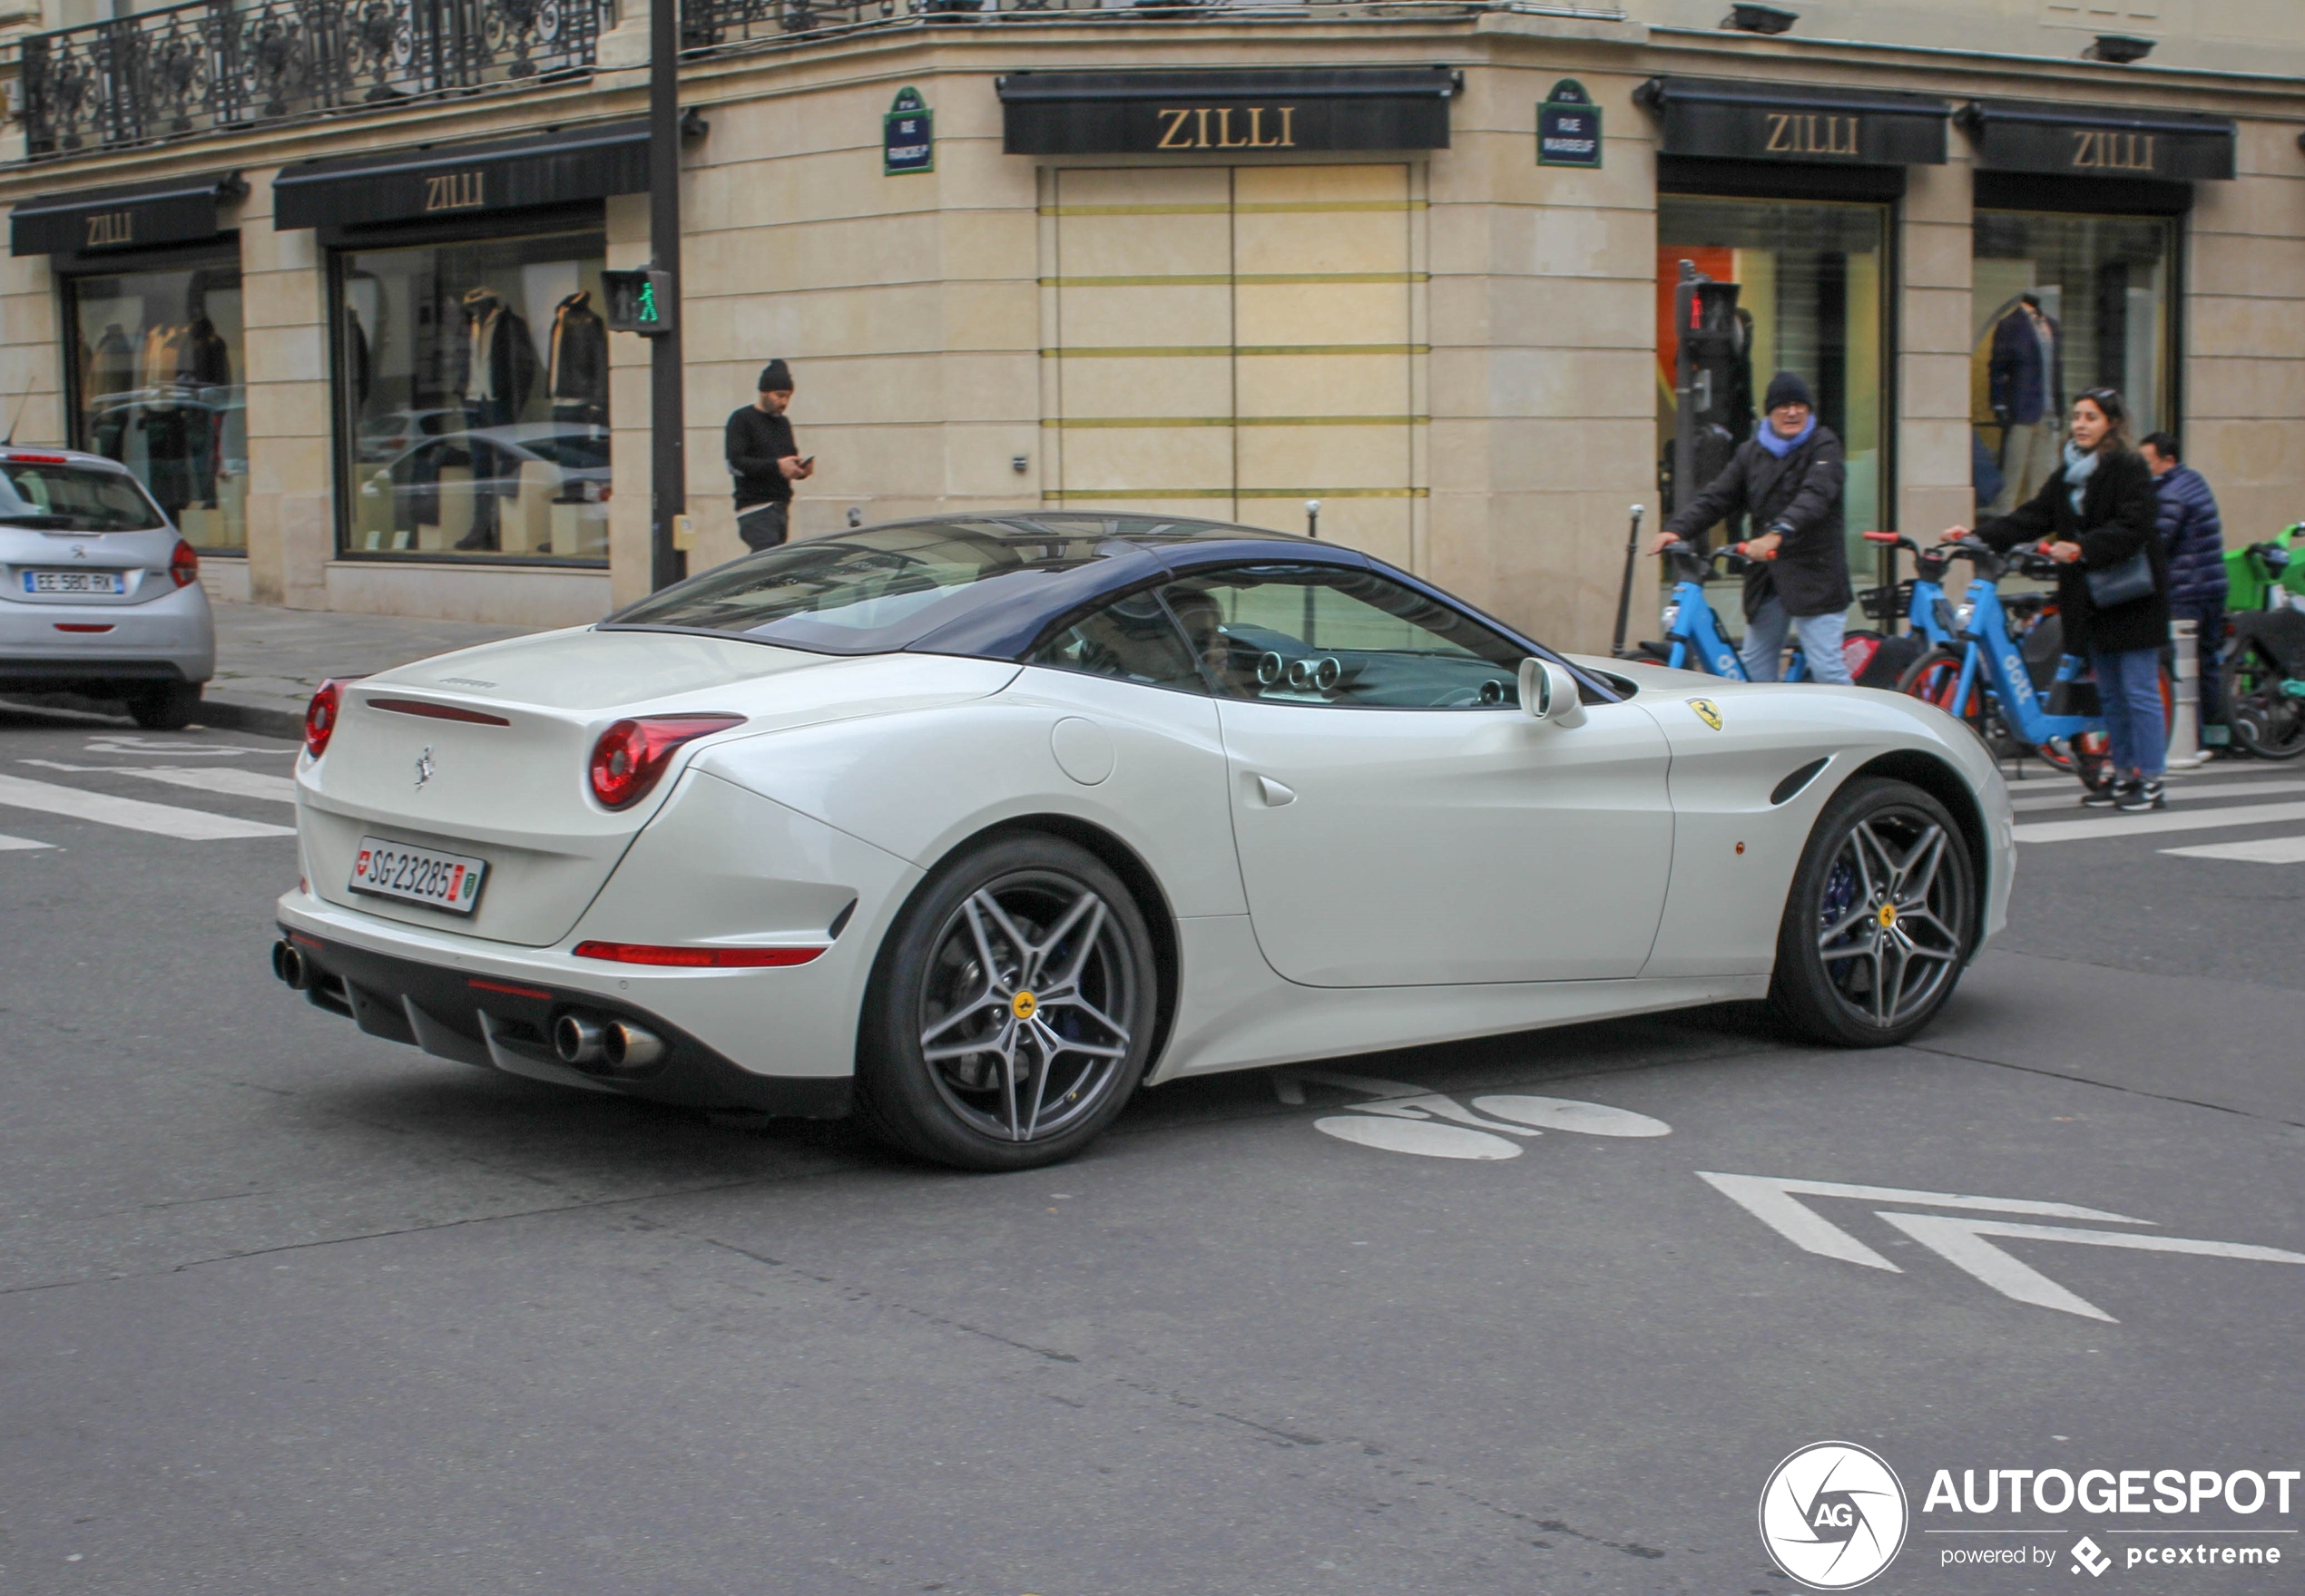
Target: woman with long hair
point(2096, 516)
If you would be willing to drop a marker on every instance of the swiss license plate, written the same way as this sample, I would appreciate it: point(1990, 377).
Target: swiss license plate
point(75, 581)
point(441, 881)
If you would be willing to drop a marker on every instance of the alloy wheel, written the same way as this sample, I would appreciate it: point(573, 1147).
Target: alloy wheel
point(1026, 1008)
point(1890, 918)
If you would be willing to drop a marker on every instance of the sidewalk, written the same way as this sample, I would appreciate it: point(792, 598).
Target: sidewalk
point(270, 662)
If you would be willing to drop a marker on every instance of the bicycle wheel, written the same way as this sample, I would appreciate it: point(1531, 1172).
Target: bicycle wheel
point(1936, 677)
point(2265, 720)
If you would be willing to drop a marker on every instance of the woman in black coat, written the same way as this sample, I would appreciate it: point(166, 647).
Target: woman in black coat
point(2095, 514)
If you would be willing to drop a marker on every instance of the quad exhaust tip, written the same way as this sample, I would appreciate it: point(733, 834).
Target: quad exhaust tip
point(616, 1044)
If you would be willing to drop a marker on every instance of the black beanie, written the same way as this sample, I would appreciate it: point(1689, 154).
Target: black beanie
point(1787, 388)
point(776, 377)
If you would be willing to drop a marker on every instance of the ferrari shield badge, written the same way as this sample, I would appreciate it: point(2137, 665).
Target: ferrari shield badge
point(1706, 711)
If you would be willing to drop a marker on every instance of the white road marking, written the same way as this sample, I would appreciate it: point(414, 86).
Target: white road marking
point(1961, 1242)
point(237, 783)
point(134, 814)
point(1423, 1136)
point(1770, 1201)
point(14, 844)
point(124, 744)
point(2262, 850)
point(1561, 1113)
point(2160, 820)
point(2215, 790)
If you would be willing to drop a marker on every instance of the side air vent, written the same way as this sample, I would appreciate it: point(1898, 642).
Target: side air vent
point(1790, 787)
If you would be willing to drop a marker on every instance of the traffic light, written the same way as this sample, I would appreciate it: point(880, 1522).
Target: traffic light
point(639, 301)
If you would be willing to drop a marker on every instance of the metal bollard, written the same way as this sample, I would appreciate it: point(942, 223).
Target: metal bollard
point(2185, 752)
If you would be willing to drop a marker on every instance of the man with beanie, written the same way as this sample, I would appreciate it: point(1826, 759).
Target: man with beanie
point(1787, 477)
point(765, 460)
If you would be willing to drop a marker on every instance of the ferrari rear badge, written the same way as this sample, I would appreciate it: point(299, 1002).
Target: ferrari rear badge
point(1706, 711)
point(424, 767)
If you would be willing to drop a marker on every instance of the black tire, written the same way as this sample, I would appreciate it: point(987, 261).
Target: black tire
point(165, 706)
point(1842, 946)
point(2263, 720)
point(1078, 1043)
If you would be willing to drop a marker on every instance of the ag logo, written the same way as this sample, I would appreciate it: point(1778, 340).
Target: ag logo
point(1706, 711)
point(1833, 1515)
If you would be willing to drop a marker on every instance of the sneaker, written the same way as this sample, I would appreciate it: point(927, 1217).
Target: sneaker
point(2104, 798)
point(2140, 796)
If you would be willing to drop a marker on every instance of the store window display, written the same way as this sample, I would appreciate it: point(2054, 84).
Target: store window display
point(2064, 303)
point(472, 379)
point(156, 362)
point(1807, 284)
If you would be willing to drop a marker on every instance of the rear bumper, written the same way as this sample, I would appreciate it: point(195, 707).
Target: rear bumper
point(506, 1024)
point(172, 638)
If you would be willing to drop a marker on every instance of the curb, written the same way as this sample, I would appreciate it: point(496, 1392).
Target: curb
point(223, 714)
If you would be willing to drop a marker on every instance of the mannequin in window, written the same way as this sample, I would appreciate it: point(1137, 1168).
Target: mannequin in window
point(579, 373)
point(497, 370)
point(2026, 387)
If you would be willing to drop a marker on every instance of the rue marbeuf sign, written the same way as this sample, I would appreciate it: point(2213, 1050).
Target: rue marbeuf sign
point(1230, 113)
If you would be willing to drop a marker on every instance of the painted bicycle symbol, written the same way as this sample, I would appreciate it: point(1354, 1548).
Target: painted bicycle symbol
point(1402, 1118)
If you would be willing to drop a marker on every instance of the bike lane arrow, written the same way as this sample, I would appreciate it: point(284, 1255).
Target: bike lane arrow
point(1770, 1201)
point(1963, 1243)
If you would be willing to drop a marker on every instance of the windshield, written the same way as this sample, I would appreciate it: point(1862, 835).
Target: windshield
point(73, 498)
point(865, 591)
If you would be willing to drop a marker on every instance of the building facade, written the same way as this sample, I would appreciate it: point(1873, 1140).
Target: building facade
point(328, 277)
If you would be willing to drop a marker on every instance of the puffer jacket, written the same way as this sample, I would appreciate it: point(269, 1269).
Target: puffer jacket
point(2194, 536)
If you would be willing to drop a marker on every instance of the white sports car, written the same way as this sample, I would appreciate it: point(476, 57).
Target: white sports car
point(972, 826)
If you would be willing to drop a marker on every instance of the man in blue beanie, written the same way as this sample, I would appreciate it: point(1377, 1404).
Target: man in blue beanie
point(1787, 477)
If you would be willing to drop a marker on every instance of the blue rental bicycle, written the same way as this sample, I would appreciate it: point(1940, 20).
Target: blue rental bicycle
point(2016, 690)
point(1693, 638)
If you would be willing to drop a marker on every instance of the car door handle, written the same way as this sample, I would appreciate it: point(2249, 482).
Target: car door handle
point(1273, 793)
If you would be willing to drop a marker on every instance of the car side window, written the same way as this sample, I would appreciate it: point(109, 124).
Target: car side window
point(1324, 634)
point(1130, 639)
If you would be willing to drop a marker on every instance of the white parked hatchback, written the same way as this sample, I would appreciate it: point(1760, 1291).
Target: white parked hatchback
point(99, 594)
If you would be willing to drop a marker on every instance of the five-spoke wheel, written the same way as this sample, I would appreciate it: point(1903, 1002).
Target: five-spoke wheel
point(1012, 1012)
point(1879, 922)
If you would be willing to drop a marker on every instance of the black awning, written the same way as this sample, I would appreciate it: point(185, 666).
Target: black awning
point(1176, 113)
point(171, 211)
point(2099, 141)
point(1736, 119)
point(453, 182)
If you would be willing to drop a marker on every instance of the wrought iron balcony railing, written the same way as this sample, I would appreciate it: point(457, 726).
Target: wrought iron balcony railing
point(222, 64)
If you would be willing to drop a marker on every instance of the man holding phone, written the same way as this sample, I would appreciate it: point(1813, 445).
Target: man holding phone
point(765, 460)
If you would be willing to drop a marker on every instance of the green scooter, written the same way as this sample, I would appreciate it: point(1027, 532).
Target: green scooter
point(2264, 658)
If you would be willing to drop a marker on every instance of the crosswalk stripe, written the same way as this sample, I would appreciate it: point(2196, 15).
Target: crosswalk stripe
point(2159, 820)
point(2262, 850)
point(10, 844)
point(135, 814)
point(2071, 799)
point(233, 782)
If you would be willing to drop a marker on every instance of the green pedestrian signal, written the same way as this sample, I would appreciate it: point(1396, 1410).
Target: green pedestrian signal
point(639, 301)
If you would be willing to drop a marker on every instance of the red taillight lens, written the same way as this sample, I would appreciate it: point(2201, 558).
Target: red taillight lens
point(319, 716)
point(184, 566)
point(696, 958)
point(632, 755)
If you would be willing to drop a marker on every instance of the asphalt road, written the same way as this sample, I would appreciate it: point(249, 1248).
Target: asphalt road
point(285, 1308)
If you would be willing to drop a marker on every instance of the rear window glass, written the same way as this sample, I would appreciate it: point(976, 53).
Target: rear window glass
point(864, 592)
point(73, 498)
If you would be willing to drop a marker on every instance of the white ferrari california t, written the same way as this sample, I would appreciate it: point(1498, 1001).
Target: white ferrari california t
point(974, 825)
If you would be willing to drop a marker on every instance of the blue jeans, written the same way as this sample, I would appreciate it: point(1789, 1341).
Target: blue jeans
point(1820, 638)
point(2129, 693)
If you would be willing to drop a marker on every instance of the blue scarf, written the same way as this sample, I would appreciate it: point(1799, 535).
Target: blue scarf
point(1782, 447)
point(2080, 465)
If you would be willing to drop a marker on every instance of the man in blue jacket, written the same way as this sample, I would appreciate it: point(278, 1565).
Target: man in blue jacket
point(2194, 537)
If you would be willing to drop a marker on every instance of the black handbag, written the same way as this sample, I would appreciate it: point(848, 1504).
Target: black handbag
point(2123, 584)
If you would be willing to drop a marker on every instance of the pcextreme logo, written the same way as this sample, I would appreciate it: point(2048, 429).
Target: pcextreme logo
point(1833, 1515)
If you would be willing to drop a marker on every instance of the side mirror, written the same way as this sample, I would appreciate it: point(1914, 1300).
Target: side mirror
point(1549, 693)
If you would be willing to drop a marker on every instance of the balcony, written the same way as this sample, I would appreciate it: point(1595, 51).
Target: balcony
point(218, 64)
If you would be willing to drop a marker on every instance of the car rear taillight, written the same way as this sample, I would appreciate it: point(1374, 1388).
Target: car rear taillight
point(696, 958)
point(320, 716)
point(184, 566)
point(632, 755)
